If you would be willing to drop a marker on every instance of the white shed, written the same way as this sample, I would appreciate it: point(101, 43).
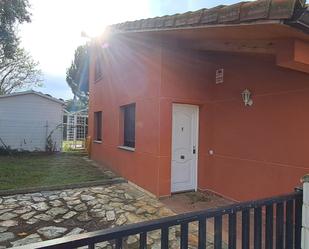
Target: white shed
point(28, 118)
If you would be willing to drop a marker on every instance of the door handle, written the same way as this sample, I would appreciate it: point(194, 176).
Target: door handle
point(194, 149)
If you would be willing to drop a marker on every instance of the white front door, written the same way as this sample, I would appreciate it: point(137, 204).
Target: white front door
point(184, 147)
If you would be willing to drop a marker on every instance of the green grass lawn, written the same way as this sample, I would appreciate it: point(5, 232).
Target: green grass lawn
point(36, 170)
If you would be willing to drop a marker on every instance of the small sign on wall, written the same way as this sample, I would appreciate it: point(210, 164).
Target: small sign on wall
point(219, 76)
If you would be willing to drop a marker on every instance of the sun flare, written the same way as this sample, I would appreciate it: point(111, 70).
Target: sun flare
point(60, 23)
point(98, 14)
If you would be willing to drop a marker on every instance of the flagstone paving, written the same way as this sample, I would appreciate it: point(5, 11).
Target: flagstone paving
point(34, 217)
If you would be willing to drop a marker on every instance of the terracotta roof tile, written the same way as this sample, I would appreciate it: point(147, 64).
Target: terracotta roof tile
point(194, 17)
point(237, 13)
point(254, 10)
point(146, 24)
point(211, 15)
point(181, 20)
point(280, 9)
point(160, 22)
point(230, 13)
point(169, 21)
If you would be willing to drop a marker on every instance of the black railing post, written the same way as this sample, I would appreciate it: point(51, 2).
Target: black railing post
point(118, 243)
point(289, 224)
point(164, 238)
point(298, 222)
point(218, 232)
point(143, 241)
point(232, 230)
point(202, 235)
point(269, 230)
point(184, 235)
point(258, 228)
point(245, 229)
point(279, 225)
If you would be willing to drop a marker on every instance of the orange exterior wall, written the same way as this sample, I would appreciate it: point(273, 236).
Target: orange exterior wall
point(259, 151)
point(131, 74)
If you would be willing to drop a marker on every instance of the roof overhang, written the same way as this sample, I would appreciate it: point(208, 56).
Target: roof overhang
point(258, 37)
point(258, 27)
point(272, 37)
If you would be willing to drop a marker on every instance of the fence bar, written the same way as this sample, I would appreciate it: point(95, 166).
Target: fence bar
point(143, 241)
point(232, 231)
point(258, 228)
point(184, 236)
point(218, 232)
point(279, 225)
point(202, 235)
point(298, 223)
point(91, 246)
point(269, 230)
point(164, 238)
point(289, 224)
point(245, 229)
point(118, 244)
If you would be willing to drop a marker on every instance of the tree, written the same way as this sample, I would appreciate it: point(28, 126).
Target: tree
point(73, 105)
point(17, 68)
point(18, 72)
point(78, 73)
point(12, 12)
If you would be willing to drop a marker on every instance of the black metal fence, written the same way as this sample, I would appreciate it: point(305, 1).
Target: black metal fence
point(267, 223)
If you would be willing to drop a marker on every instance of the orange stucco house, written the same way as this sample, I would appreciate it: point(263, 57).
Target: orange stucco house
point(215, 99)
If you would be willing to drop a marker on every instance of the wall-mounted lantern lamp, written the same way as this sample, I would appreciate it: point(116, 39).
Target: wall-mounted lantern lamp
point(246, 97)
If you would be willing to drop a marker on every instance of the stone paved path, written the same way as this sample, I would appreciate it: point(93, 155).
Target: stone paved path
point(31, 218)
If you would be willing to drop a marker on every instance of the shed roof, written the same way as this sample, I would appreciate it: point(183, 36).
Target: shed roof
point(47, 96)
point(292, 12)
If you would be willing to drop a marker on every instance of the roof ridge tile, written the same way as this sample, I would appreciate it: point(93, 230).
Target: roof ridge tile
point(241, 12)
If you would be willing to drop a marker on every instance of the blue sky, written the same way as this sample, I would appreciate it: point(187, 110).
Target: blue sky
point(56, 26)
point(167, 7)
